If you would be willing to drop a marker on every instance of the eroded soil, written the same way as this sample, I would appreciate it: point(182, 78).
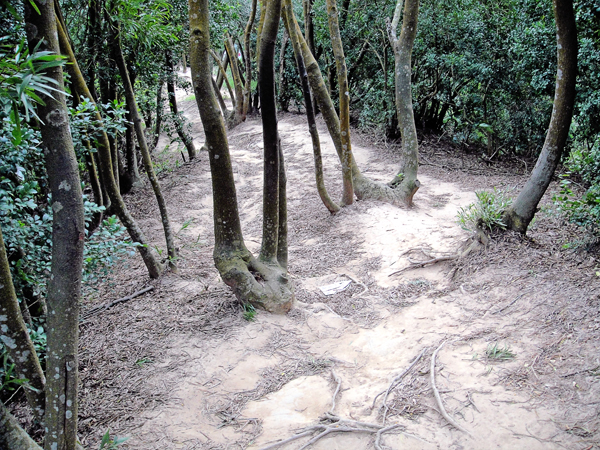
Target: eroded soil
point(180, 367)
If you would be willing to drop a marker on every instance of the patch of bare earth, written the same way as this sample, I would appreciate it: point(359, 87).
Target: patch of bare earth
point(180, 368)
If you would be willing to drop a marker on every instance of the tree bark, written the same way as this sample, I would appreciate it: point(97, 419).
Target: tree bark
point(340, 64)
point(159, 115)
point(106, 168)
point(312, 125)
point(16, 340)
point(179, 120)
point(405, 182)
point(248, 86)
point(12, 436)
point(68, 235)
point(238, 105)
point(521, 212)
point(141, 137)
point(235, 263)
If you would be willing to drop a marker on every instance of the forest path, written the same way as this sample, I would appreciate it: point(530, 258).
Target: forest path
point(188, 372)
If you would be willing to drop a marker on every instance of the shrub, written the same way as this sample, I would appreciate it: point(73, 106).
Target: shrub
point(486, 213)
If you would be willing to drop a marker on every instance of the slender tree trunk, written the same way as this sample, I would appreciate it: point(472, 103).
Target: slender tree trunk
point(266, 81)
point(521, 212)
point(14, 335)
point(68, 235)
point(93, 41)
point(238, 106)
point(159, 115)
point(232, 258)
point(179, 120)
point(141, 137)
point(247, 107)
point(312, 125)
point(133, 174)
point(226, 113)
point(340, 64)
point(106, 168)
point(224, 62)
point(282, 81)
point(364, 187)
point(222, 72)
point(309, 36)
point(405, 182)
point(12, 436)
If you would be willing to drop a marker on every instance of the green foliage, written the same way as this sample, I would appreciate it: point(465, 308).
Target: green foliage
point(249, 312)
point(486, 213)
point(582, 169)
point(110, 443)
point(497, 353)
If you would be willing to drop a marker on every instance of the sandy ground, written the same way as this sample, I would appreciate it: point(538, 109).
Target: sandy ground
point(180, 368)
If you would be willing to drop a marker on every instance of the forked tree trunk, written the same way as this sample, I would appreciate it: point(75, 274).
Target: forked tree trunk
point(248, 86)
point(312, 125)
point(179, 120)
point(68, 236)
point(14, 335)
point(521, 212)
point(238, 105)
point(340, 64)
point(106, 170)
point(405, 182)
point(141, 138)
point(233, 260)
point(364, 187)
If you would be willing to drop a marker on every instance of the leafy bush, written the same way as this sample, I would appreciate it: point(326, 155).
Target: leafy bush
point(583, 165)
point(486, 213)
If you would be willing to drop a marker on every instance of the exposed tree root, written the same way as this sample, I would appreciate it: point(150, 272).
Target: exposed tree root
point(338, 381)
point(365, 288)
point(395, 382)
point(263, 285)
point(98, 309)
point(437, 396)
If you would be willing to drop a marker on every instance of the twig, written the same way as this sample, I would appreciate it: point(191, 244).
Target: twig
point(509, 305)
point(436, 393)
point(99, 309)
point(592, 369)
point(338, 380)
point(365, 288)
point(395, 383)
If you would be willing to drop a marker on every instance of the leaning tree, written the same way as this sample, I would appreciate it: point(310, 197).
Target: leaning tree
point(263, 280)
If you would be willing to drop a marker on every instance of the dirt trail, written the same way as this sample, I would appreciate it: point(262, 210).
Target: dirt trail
point(190, 373)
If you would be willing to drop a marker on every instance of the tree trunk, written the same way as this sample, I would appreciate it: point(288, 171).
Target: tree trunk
point(12, 436)
point(222, 72)
point(283, 87)
point(340, 64)
point(222, 76)
point(405, 182)
point(233, 260)
point(93, 42)
point(141, 137)
point(248, 87)
point(521, 212)
point(14, 335)
point(68, 236)
point(238, 106)
point(106, 172)
point(132, 172)
point(159, 115)
point(179, 120)
point(312, 126)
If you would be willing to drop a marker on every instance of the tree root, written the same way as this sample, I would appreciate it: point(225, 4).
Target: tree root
point(469, 245)
point(437, 396)
point(98, 309)
point(395, 382)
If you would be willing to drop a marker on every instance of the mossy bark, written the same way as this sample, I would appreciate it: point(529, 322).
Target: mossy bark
point(16, 340)
point(253, 281)
point(106, 167)
point(521, 212)
point(344, 91)
point(12, 436)
point(405, 182)
point(68, 236)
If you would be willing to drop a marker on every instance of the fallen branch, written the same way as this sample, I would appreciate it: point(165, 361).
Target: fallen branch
point(436, 393)
point(98, 309)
